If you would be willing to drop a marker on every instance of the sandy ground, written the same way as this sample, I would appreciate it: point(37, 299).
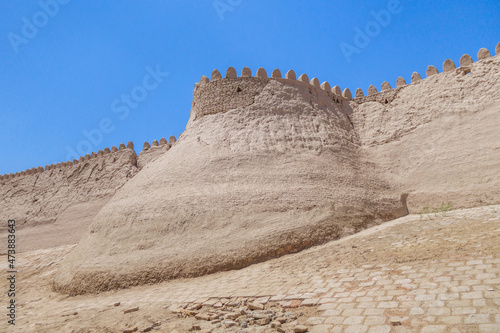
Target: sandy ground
point(414, 239)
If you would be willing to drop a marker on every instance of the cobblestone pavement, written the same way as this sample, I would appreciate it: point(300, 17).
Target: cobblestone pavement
point(432, 273)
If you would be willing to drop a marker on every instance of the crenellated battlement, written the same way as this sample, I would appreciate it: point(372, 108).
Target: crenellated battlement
point(100, 154)
point(152, 151)
point(44, 192)
point(218, 94)
point(88, 157)
point(387, 93)
point(163, 142)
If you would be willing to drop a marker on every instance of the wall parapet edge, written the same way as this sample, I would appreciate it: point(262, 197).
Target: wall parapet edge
point(66, 164)
point(448, 66)
point(290, 76)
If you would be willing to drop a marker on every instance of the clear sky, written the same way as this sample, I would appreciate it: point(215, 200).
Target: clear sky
point(78, 76)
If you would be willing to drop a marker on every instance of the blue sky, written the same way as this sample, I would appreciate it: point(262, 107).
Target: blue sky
point(69, 75)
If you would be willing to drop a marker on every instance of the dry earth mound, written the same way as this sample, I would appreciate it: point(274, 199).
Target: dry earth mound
point(265, 167)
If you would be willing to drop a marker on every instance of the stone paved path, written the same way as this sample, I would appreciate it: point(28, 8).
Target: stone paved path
point(436, 273)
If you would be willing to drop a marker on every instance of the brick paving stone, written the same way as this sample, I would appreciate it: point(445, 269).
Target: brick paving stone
point(315, 320)
point(428, 285)
point(425, 297)
point(409, 304)
point(331, 313)
point(448, 297)
point(434, 329)
point(477, 319)
point(470, 282)
point(450, 320)
point(430, 296)
point(291, 304)
point(463, 311)
point(277, 298)
point(356, 329)
point(489, 328)
point(321, 329)
point(293, 297)
point(327, 306)
point(334, 320)
point(262, 300)
point(379, 329)
point(310, 302)
point(438, 311)
point(432, 304)
point(374, 312)
point(321, 290)
point(375, 320)
point(472, 295)
point(442, 278)
point(459, 303)
point(416, 311)
point(352, 312)
point(345, 300)
point(354, 320)
point(343, 306)
point(396, 292)
point(406, 298)
point(388, 305)
point(492, 294)
point(326, 300)
point(367, 305)
point(482, 287)
point(479, 302)
point(364, 299)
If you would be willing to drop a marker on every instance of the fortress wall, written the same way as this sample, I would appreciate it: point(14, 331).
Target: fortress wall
point(220, 95)
point(259, 152)
point(438, 137)
point(151, 152)
point(242, 185)
point(387, 93)
point(37, 196)
point(273, 165)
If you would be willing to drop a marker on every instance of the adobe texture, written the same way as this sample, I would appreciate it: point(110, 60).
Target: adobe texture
point(54, 205)
point(44, 198)
point(278, 174)
point(438, 139)
point(37, 197)
point(270, 166)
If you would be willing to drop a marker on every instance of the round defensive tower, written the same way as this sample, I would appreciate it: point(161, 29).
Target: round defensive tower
point(265, 167)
